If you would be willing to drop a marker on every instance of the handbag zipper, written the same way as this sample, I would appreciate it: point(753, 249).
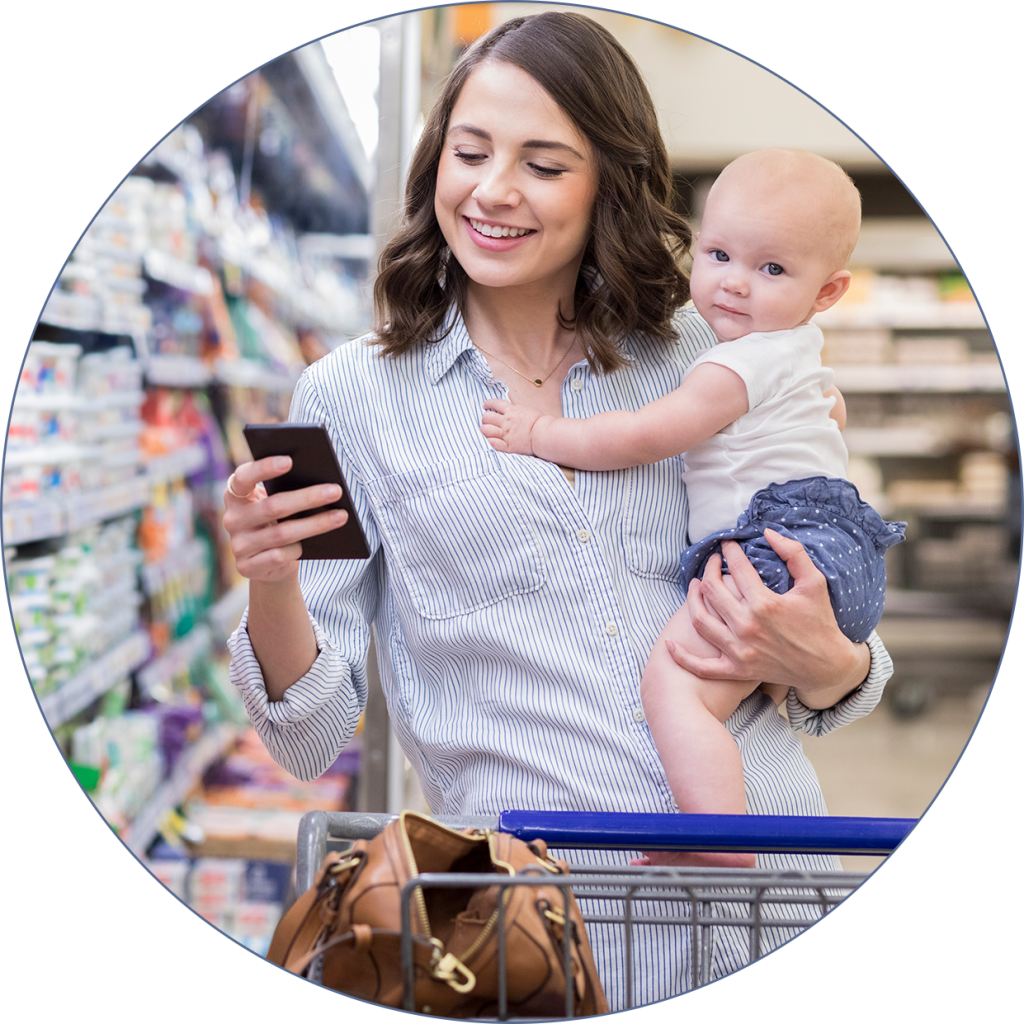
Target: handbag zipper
point(421, 903)
point(484, 935)
point(447, 967)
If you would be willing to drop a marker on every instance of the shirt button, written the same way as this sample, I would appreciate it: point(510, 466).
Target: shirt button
point(577, 384)
point(638, 715)
point(611, 629)
point(583, 536)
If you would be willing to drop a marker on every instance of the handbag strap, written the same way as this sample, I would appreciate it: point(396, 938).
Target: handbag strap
point(302, 924)
point(443, 967)
point(361, 937)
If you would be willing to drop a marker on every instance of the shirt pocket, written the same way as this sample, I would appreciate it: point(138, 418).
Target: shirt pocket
point(458, 535)
point(654, 527)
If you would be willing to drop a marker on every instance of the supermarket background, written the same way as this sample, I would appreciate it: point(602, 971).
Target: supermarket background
point(194, 312)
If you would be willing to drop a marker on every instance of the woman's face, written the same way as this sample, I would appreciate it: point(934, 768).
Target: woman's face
point(515, 183)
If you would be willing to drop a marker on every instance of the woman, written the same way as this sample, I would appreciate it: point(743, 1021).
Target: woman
point(514, 604)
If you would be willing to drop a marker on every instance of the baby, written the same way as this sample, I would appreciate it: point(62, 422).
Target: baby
point(754, 417)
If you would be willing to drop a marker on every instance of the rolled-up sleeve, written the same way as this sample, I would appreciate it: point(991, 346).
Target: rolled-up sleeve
point(307, 729)
point(854, 705)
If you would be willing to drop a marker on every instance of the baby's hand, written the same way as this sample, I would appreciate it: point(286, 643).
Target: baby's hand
point(508, 427)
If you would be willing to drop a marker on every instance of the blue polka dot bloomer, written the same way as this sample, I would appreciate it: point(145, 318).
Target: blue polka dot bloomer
point(844, 536)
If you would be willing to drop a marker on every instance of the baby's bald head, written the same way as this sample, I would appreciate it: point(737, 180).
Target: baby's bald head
point(814, 195)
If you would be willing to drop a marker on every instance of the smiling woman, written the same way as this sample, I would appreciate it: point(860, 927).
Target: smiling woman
point(515, 193)
point(582, 128)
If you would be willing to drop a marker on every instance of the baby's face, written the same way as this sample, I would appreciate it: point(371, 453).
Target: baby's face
point(758, 264)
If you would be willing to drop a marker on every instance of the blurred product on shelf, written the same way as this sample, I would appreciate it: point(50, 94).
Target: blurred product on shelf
point(242, 897)
point(75, 604)
point(931, 301)
point(250, 778)
point(124, 749)
point(190, 273)
point(230, 855)
point(73, 441)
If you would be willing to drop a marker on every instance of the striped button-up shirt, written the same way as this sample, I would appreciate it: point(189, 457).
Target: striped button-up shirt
point(513, 612)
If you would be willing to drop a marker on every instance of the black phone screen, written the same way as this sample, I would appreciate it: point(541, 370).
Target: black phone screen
point(313, 462)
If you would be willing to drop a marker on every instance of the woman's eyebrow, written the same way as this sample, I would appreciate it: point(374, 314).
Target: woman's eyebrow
point(544, 144)
point(470, 129)
point(480, 133)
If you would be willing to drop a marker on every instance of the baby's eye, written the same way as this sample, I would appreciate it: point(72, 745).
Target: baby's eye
point(774, 269)
point(718, 254)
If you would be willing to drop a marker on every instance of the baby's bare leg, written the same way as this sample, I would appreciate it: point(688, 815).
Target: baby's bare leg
point(686, 716)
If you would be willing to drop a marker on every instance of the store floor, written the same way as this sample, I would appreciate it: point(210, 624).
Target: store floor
point(884, 766)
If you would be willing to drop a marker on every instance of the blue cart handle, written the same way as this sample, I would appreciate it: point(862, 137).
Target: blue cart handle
point(736, 833)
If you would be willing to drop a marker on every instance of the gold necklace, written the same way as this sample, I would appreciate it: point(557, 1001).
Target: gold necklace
point(535, 381)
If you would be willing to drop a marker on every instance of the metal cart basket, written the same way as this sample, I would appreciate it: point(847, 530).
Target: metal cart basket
point(755, 910)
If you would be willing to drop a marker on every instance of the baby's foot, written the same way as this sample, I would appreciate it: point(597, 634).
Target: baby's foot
point(695, 859)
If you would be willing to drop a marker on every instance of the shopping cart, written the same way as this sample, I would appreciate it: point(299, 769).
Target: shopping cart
point(765, 907)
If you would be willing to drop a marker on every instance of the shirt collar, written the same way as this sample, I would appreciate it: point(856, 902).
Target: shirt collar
point(441, 355)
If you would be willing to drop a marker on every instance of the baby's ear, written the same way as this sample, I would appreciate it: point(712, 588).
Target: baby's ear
point(832, 290)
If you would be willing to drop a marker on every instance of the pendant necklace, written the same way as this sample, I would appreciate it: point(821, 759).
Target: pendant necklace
point(537, 382)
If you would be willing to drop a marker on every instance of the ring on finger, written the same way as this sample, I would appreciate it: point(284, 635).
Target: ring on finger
point(231, 480)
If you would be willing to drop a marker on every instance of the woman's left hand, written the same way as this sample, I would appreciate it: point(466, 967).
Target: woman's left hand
point(789, 638)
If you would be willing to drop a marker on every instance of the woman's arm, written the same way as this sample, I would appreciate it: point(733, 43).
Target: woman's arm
point(710, 398)
point(790, 638)
point(267, 552)
point(301, 674)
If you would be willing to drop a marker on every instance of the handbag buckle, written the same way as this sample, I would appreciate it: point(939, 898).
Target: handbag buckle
point(449, 969)
point(344, 865)
point(554, 915)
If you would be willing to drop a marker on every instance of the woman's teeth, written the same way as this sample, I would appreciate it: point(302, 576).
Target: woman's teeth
point(495, 231)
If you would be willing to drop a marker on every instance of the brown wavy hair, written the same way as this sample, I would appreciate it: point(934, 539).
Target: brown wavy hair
point(630, 279)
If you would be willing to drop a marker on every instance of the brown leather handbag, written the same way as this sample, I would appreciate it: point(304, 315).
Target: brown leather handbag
point(350, 922)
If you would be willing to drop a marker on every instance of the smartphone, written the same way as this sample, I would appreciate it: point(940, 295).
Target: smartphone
point(313, 462)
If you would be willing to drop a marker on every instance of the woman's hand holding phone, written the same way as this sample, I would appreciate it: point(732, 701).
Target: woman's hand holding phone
point(266, 548)
point(267, 551)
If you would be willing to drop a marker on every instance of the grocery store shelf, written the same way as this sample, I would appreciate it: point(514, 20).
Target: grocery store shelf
point(296, 302)
point(924, 316)
point(88, 313)
point(224, 615)
point(177, 562)
point(909, 244)
point(83, 689)
point(183, 779)
point(245, 373)
point(951, 378)
point(77, 403)
point(156, 679)
point(957, 509)
point(943, 637)
point(894, 441)
point(177, 464)
point(189, 372)
point(52, 517)
point(187, 277)
point(51, 454)
point(177, 371)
